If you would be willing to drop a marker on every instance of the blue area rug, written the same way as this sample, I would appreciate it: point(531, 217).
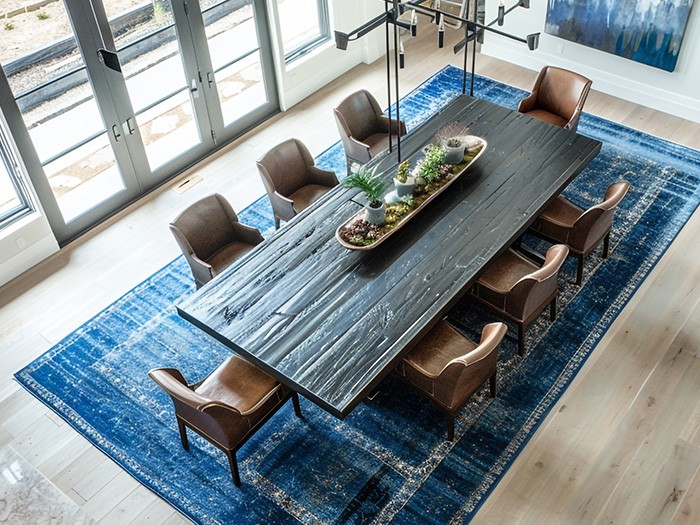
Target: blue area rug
point(388, 461)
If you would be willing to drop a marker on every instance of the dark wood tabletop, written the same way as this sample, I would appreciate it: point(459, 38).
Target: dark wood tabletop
point(330, 322)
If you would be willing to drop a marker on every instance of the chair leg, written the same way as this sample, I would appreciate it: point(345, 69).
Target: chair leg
point(277, 223)
point(183, 434)
point(579, 270)
point(295, 402)
point(521, 339)
point(553, 309)
point(450, 426)
point(493, 385)
point(606, 246)
point(234, 467)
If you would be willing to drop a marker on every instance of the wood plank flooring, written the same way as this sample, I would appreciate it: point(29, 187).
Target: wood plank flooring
point(621, 446)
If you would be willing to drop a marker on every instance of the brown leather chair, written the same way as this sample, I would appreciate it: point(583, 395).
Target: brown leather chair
point(581, 230)
point(447, 367)
point(211, 238)
point(291, 179)
point(520, 290)
point(557, 97)
point(228, 407)
point(363, 129)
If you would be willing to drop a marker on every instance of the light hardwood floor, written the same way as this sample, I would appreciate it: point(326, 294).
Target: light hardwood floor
point(621, 446)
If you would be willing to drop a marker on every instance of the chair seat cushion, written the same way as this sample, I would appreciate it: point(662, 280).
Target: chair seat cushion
point(547, 117)
point(305, 195)
point(562, 211)
point(379, 142)
point(238, 384)
point(223, 258)
point(502, 273)
point(440, 346)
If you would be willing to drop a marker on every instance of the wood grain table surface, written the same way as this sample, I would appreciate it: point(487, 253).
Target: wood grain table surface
point(330, 322)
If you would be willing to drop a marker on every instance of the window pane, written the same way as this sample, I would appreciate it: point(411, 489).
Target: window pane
point(9, 199)
point(303, 23)
point(14, 202)
point(47, 75)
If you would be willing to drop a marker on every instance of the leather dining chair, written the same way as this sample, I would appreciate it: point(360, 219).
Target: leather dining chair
point(448, 368)
point(557, 97)
point(581, 230)
point(517, 288)
point(227, 407)
point(363, 129)
point(291, 180)
point(211, 238)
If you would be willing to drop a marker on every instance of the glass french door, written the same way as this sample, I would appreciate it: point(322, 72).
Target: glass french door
point(114, 97)
point(232, 46)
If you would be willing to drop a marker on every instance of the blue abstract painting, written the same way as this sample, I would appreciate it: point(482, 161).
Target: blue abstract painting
point(646, 31)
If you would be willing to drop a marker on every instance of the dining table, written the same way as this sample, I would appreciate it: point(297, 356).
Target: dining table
point(330, 322)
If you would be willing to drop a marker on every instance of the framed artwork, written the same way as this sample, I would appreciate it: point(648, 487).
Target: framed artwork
point(646, 31)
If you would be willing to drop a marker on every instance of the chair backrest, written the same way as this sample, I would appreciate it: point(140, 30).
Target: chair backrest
point(205, 226)
point(357, 115)
point(596, 221)
point(463, 375)
point(530, 291)
point(560, 91)
point(284, 168)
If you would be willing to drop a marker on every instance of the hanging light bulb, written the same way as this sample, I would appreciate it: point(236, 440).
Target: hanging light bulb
point(501, 13)
point(414, 23)
point(441, 32)
point(401, 54)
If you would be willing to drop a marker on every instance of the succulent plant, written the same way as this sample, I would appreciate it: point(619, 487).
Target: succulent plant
point(453, 142)
point(403, 171)
point(451, 130)
point(427, 167)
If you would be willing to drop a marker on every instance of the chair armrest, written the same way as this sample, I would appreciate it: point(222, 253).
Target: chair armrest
point(322, 177)
point(528, 103)
point(572, 125)
point(357, 150)
point(247, 233)
point(397, 126)
point(283, 206)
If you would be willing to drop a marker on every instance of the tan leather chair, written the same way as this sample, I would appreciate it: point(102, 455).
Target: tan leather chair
point(447, 367)
point(211, 238)
point(363, 129)
point(228, 407)
point(517, 288)
point(291, 179)
point(581, 230)
point(557, 97)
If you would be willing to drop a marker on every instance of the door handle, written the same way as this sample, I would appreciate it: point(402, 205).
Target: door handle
point(130, 129)
point(193, 89)
point(115, 132)
point(210, 78)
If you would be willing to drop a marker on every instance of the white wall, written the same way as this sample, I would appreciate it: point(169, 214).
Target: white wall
point(677, 93)
point(24, 244)
point(308, 74)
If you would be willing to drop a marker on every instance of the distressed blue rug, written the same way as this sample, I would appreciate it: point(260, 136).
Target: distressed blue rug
point(388, 461)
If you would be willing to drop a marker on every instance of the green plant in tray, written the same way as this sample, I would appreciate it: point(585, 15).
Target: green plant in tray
point(403, 171)
point(366, 181)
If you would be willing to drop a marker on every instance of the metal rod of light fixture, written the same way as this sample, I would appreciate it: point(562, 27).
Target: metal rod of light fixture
point(388, 68)
point(396, 83)
point(472, 29)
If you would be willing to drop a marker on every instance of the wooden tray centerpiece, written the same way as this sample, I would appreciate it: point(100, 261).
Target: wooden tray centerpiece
point(432, 176)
